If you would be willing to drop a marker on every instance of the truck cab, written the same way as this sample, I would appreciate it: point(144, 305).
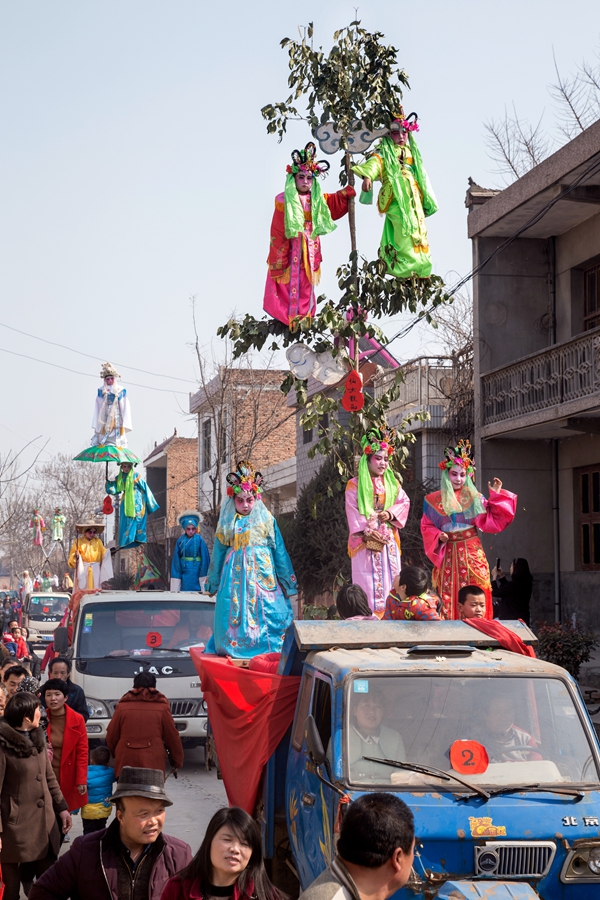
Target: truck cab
point(43, 613)
point(116, 634)
point(493, 751)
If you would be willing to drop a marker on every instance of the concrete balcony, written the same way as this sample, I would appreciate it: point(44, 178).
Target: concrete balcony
point(551, 393)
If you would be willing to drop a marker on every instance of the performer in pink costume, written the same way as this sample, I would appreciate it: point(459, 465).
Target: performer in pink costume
point(451, 517)
point(376, 509)
point(302, 214)
point(38, 525)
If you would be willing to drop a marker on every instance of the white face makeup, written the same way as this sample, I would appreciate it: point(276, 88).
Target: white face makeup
point(458, 476)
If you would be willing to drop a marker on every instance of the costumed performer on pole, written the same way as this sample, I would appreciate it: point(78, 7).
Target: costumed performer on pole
point(250, 572)
point(90, 558)
point(112, 416)
point(37, 523)
point(451, 517)
point(376, 508)
point(136, 502)
point(406, 198)
point(302, 215)
point(191, 557)
point(58, 524)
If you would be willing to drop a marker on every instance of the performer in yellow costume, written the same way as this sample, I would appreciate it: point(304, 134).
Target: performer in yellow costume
point(90, 558)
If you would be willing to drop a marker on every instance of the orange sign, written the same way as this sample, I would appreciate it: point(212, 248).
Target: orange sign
point(469, 757)
point(154, 639)
point(482, 827)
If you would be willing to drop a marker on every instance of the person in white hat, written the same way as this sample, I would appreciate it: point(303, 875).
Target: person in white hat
point(90, 558)
point(112, 416)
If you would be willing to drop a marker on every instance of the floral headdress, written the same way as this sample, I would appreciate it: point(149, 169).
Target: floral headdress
point(107, 370)
point(244, 479)
point(461, 455)
point(377, 439)
point(304, 161)
point(409, 122)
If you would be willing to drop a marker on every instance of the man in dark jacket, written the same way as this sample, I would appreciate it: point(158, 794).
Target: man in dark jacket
point(61, 668)
point(129, 860)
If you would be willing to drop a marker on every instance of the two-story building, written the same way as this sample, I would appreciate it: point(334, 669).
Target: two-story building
point(536, 256)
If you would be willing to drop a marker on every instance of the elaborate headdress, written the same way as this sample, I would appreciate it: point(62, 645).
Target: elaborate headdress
point(189, 517)
point(304, 161)
point(373, 441)
point(107, 370)
point(468, 497)
point(244, 479)
point(461, 455)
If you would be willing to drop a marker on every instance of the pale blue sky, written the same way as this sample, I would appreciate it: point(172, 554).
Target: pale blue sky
point(135, 171)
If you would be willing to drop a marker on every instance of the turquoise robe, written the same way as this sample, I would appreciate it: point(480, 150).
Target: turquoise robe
point(132, 531)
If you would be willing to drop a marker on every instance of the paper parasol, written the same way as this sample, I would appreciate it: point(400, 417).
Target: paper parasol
point(107, 453)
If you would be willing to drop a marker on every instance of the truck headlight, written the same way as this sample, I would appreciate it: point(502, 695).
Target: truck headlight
point(594, 861)
point(582, 863)
point(97, 709)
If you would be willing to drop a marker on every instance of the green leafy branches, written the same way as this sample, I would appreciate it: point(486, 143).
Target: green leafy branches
point(358, 80)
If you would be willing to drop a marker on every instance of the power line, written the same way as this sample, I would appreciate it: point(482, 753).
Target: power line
point(87, 374)
point(89, 356)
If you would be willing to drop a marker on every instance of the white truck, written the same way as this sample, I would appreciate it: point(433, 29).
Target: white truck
point(115, 634)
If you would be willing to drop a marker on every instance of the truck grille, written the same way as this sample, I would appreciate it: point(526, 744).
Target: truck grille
point(184, 707)
point(511, 859)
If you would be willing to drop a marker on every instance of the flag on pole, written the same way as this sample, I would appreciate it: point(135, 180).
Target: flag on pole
point(147, 573)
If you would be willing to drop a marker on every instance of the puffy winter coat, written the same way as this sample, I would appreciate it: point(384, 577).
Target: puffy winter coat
point(140, 727)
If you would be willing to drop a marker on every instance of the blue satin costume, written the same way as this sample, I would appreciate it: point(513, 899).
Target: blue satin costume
point(190, 561)
point(132, 532)
point(252, 576)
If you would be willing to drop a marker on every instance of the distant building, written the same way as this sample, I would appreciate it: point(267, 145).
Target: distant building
point(536, 254)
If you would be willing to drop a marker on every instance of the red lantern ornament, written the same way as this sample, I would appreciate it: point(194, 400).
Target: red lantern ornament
point(107, 506)
point(353, 399)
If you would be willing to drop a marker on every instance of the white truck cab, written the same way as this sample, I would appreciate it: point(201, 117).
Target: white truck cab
point(117, 634)
point(43, 613)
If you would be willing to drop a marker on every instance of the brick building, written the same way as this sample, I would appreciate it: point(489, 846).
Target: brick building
point(172, 476)
point(242, 414)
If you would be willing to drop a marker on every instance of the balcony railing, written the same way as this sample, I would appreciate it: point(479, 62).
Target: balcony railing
point(564, 372)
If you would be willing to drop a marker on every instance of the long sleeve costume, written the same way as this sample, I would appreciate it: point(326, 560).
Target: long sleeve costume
point(112, 417)
point(190, 563)
point(375, 570)
point(461, 560)
point(58, 526)
point(295, 263)
point(132, 522)
point(90, 554)
point(252, 576)
point(406, 198)
point(38, 525)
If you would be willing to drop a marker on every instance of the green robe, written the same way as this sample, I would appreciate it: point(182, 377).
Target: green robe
point(406, 198)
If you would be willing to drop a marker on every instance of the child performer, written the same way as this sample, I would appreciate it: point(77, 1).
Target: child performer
point(451, 517)
point(376, 509)
point(410, 599)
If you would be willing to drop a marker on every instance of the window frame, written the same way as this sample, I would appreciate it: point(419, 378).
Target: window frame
point(588, 517)
point(206, 445)
point(591, 318)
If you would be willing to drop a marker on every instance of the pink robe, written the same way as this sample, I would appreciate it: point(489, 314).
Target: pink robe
point(373, 571)
point(461, 561)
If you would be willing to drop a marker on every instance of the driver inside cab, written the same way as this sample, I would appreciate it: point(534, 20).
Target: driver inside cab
point(503, 740)
point(368, 737)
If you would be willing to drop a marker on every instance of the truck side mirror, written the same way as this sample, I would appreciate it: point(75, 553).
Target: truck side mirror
point(61, 640)
point(313, 741)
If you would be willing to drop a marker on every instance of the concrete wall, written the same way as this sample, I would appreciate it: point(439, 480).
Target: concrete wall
point(575, 248)
point(580, 450)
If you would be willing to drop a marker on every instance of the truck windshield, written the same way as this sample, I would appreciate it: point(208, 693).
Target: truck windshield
point(153, 628)
point(40, 608)
point(492, 731)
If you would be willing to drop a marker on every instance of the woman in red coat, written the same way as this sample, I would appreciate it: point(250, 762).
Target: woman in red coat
point(141, 726)
point(68, 743)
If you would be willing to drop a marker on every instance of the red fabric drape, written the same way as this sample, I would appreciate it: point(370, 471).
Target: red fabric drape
point(505, 637)
point(249, 713)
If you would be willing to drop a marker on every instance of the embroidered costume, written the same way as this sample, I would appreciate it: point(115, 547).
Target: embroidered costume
point(405, 197)
point(90, 559)
point(461, 560)
point(37, 523)
point(373, 545)
point(136, 502)
point(112, 416)
point(58, 524)
point(423, 607)
point(295, 257)
point(190, 558)
point(251, 574)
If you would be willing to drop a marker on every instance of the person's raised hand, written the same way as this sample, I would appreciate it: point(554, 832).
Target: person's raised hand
point(496, 485)
point(367, 185)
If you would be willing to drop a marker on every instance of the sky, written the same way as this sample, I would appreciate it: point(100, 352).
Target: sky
point(136, 173)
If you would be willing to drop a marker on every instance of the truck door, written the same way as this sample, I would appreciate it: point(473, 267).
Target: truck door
point(309, 803)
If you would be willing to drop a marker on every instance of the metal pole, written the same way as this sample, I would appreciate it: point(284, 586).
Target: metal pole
point(556, 531)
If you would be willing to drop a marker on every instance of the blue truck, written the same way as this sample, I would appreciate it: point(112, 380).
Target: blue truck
point(493, 751)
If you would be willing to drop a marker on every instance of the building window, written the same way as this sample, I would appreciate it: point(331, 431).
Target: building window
point(206, 445)
point(223, 438)
point(591, 298)
point(323, 423)
point(307, 436)
point(588, 493)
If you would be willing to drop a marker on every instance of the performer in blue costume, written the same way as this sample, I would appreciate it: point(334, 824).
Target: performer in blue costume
point(190, 557)
point(250, 572)
point(137, 501)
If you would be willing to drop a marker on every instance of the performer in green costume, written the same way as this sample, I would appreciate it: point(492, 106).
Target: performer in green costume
point(406, 198)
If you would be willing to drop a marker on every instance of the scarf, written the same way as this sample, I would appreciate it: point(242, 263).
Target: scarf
point(469, 497)
point(293, 211)
point(125, 485)
point(366, 491)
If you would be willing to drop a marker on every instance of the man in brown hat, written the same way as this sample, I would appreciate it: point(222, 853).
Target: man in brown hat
point(131, 859)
